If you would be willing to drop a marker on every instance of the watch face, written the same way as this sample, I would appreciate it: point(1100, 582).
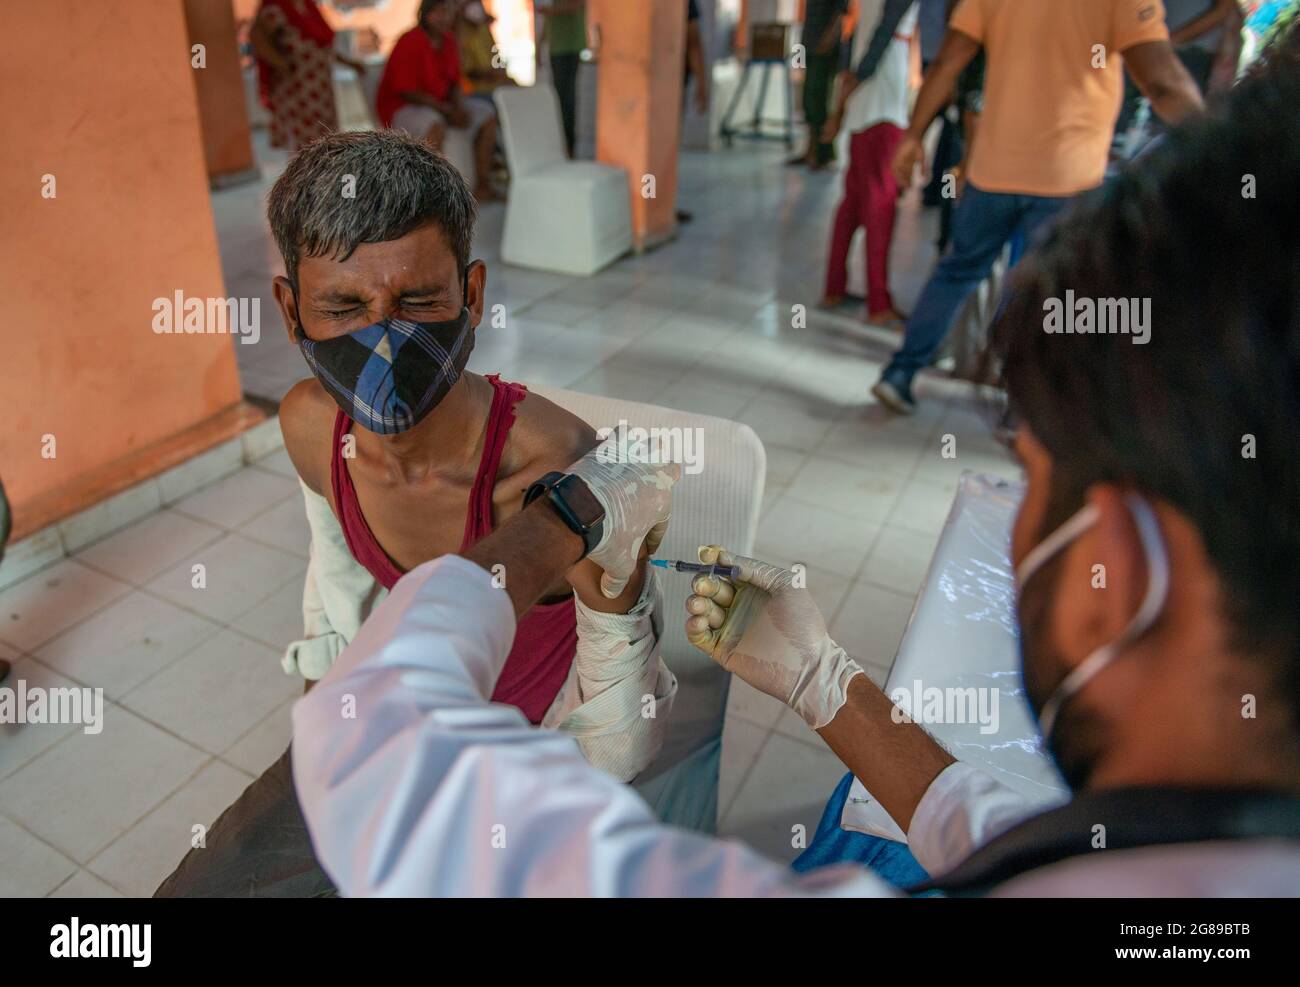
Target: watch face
point(580, 500)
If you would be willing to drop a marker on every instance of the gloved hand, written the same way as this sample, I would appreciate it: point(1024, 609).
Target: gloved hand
point(771, 635)
point(637, 496)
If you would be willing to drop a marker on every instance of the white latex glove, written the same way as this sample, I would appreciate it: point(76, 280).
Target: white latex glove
point(771, 635)
point(637, 497)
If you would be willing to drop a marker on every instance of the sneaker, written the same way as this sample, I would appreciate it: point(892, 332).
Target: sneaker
point(894, 391)
point(886, 319)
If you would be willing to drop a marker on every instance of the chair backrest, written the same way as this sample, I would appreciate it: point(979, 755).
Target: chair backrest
point(718, 504)
point(530, 127)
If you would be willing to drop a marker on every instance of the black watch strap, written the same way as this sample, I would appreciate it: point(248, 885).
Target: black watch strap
point(575, 505)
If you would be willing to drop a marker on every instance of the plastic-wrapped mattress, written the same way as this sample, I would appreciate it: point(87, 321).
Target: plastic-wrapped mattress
point(958, 666)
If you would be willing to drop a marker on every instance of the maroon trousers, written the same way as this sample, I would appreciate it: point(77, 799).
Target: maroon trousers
point(870, 201)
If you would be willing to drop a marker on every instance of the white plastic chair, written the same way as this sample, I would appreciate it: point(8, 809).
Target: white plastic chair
point(570, 217)
point(718, 504)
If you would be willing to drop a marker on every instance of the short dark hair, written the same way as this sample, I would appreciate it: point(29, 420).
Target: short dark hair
point(1172, 418)
point(427, 7)
point(398, 183)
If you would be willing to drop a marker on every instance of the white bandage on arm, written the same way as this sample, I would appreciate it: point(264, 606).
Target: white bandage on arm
point(338, 594)
point(621, 694)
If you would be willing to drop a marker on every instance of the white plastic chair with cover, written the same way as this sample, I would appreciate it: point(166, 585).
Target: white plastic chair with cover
point(570, 217)
point(718, 504)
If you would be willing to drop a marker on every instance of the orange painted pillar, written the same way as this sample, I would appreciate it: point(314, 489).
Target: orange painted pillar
point(227, 144)
point(105, 211)
point(642, 55)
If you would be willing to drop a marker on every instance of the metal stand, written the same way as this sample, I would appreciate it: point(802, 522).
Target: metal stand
point(755, 132)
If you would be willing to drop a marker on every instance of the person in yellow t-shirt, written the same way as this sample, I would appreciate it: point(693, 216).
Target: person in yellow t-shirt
point(478, 51)
point(1051, 96)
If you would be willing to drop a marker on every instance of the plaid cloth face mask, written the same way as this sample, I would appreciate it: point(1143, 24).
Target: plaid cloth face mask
point(389, 375)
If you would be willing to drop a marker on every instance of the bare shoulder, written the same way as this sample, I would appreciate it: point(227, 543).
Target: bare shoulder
point(547, 437)
point(307, 424)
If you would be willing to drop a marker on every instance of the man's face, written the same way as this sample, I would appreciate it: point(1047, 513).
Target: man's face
point(440, 18)
point(413, 278)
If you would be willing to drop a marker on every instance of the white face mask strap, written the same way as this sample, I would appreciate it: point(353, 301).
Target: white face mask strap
point(1083, 519)
point(1153, 545)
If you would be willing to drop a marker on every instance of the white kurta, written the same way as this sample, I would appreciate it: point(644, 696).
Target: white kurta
point(412, 783)
point(887, 96)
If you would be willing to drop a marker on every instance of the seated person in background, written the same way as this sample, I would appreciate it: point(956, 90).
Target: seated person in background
point(403, 457)
point(420, 91)
point(478, 54)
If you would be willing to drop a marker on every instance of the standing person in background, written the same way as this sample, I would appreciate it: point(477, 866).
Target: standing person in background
point(420, 91)
point(932, 21)
point(968, 102)
point(696, 68)
point(1052, 87)
point(565, 32)
point(822, 24)
point(1196, 31)
point(695, 62)
point(873, 103)
point(294, 48)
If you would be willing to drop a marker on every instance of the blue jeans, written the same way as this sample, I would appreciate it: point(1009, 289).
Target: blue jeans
point(890, 861)
point(984, 222)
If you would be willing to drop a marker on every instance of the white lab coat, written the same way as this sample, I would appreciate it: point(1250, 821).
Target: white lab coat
point(413, 784)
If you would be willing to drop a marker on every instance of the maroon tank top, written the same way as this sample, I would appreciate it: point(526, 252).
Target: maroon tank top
point(547, 635)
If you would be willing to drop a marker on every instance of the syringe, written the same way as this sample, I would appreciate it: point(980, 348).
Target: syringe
point(729, 571)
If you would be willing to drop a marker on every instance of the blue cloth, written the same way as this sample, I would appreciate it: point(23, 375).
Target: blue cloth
point(1266, 14)
point(888, 859)
point(982, 225)
point(933, 21)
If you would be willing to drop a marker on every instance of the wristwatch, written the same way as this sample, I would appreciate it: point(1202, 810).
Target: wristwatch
point(576, 505)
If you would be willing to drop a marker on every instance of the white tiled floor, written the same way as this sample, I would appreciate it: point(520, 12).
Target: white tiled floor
point(196, 703)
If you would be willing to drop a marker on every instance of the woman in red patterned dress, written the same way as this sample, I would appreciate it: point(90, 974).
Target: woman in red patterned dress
point(295, 53)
